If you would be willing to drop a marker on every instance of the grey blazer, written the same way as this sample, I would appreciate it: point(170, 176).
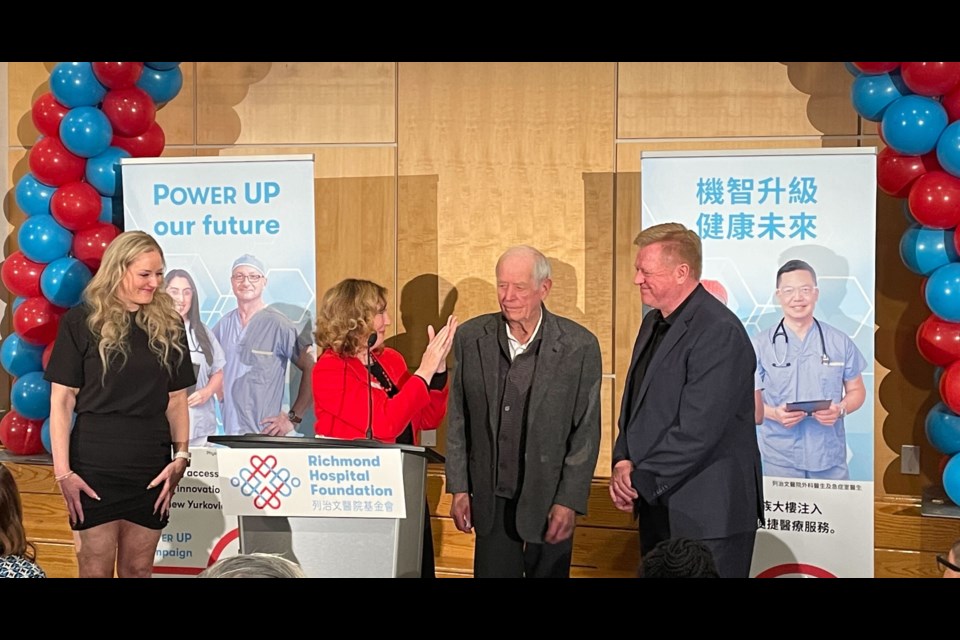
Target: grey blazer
point(563, 422)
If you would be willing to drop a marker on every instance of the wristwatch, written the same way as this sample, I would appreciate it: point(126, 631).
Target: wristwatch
point(294, 418)
point(185, 455)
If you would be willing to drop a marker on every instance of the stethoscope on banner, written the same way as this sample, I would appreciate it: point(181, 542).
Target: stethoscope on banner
point(781, 331)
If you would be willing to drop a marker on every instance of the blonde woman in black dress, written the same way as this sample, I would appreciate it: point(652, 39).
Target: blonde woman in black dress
point(121, 362)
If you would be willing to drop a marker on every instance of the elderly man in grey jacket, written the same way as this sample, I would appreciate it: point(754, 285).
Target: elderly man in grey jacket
point(523, 429)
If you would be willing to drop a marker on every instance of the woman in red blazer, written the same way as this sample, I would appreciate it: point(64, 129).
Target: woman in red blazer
point(353, 315)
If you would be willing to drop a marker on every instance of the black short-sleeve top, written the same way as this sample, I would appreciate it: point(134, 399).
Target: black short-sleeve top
point(139, 387)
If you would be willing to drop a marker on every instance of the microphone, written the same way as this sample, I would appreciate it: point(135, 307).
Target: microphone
point(372, 340)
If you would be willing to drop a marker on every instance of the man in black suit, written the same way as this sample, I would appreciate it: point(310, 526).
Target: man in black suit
point(523, 430)
point(686, 460)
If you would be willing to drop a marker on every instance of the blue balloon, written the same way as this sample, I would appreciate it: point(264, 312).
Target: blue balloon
point(102, 171)
point(30, 396)
point(86, 131)
point(106, 209)
point(871, 95)
point(943, 292)
point(951, 479)
point(162, 86)
point(852, 69)
point(43, 240)
point(63, 280)
point(948, 149)
point(74, 84)
point(45, 436)
point(943, 429)
point(19, 357)
point(17, 302)
point(33, 197)
point(162, 66)
point(924, 250)
point(913, 124)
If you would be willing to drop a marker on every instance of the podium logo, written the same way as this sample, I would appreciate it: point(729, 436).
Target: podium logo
point(265, 482)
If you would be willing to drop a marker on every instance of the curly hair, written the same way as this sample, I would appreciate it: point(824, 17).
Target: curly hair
point(679, 558)
point(346, 315)
point(13, 539)
point(109, 320)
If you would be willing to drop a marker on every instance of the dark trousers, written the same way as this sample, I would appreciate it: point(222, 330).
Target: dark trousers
point(427, 568)
point(731, 555)
point(503, 554)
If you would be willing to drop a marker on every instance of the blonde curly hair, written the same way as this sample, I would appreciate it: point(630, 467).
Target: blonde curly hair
point(109, 320)
point(346, 315)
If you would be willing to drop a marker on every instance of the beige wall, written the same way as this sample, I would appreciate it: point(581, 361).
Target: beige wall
point(443, 165)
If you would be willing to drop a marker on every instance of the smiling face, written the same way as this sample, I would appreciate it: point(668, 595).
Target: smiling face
point(142, 278)
point(659, 277)
point(798, 294)
point(248, 283)
point(182, 294)
point(517, 290)
point(380, 322)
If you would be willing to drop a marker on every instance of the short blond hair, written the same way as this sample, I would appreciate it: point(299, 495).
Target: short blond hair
point(681, 245)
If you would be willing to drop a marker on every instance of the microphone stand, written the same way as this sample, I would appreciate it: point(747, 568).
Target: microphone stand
point(372, 340)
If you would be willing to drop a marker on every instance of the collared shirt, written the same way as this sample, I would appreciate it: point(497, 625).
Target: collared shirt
point(515, 347)
point(792, 370)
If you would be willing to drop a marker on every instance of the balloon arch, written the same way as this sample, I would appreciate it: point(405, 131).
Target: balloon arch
point(94, 114)
point(918, 107)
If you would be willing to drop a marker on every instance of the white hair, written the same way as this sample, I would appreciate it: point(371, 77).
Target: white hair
point(253, 565)
point(541, 266)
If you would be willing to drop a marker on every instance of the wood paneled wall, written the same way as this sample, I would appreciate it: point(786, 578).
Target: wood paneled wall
point(426, 172)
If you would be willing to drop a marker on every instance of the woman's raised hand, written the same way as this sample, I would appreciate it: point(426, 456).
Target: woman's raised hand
point(435, 355)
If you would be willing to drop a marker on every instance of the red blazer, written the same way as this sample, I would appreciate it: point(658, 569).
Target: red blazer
point(340, 399)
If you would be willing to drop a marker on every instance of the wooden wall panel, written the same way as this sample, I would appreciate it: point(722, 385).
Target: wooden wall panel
point(733, 99)
point(57, 560)
point(513, 149)
point(295, 102)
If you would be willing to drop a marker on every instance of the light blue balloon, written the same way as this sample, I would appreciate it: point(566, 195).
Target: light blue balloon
point(103, 171)
point(106, 209)
point(17, 302)
point(162, 66)
point(852, 69)
point(943, 429)
point(943, 292)
point(43, 240)
point(63, 280)
point(162, 86)
point(951, 479)
point(913, 124)
point(86, 131)
point(19, 357)
point(32, 196)
point(74, 84)
point(948, 149)
point(30, 396)
point(871, 95)
point(924, 250)
point(45, 432)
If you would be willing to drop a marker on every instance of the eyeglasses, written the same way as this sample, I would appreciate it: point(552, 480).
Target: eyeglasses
point(946, 564)
point(789, 292)
point(252, 279)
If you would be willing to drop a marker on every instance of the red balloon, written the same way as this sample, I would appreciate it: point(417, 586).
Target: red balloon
point(21, 435)
point(876, 67)
point(76, 205)
point(938, 341)
point(45, 358)
point(951, 102)
point(950, 386)
point(47, 114)
point(37, 320)
point(21, 275)
point(935, 200)
point(931, 78)
point(896, 173)
point(147, 145)
point(53, 165)
point(117, 75)
point(131, 111)
point(90, 243)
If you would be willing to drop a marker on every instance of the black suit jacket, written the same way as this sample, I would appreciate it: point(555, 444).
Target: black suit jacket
point(563, 422)
point(690, 432)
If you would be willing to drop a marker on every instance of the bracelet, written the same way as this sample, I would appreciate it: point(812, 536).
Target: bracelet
point(59, 479)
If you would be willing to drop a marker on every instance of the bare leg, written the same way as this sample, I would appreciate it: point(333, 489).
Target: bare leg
point(97, 550)
point(136, 549)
